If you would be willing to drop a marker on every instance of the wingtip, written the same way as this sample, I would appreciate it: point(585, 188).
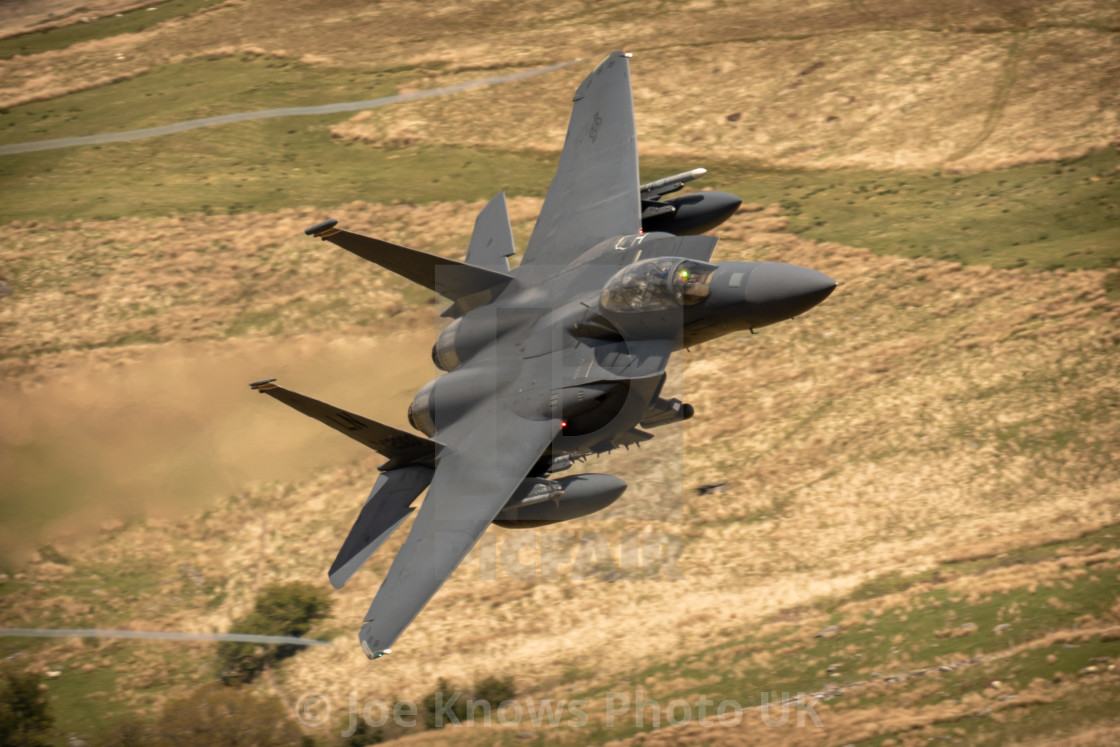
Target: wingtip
point(322, 230)
point(263, 385)
point(370, 652)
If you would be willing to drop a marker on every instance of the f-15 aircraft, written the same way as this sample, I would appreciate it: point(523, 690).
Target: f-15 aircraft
point(560, 358)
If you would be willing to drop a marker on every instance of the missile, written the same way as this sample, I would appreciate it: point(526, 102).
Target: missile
point(669, 184)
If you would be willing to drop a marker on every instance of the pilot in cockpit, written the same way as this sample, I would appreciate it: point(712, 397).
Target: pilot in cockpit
point(657, 284)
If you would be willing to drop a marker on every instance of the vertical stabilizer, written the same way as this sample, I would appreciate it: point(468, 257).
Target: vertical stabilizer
point(492, 240)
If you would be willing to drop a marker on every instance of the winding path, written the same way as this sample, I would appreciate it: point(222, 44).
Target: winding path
point(293, 111)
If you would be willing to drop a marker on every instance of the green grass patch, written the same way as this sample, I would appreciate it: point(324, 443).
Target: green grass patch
point(265, 165)
point(119, 23)
point(1042, 216)
point(194, 90)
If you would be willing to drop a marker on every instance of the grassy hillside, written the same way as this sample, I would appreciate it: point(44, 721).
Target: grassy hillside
point(928, 408)
point(919, 520)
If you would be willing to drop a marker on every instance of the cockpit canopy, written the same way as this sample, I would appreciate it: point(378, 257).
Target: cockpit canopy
point(657, 284)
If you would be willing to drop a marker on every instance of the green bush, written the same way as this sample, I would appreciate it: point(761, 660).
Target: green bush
point(436, 703)
point(494, 690)
point(280, 609)
point(25, 716)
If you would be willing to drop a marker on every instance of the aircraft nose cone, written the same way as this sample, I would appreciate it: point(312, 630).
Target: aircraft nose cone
point(782, 291)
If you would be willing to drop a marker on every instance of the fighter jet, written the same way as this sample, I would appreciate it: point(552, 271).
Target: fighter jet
point(558, 359)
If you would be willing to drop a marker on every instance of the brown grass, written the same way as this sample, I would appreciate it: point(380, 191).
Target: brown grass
point(905, 85)
point(924, 409)
point(42, 15)
point(887, 100)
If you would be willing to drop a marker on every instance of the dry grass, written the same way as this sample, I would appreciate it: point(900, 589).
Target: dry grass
point(87, 285)
point(41, 15)
point(924, 409)
point(903, 86)
point(884, 100)
point(925, 412)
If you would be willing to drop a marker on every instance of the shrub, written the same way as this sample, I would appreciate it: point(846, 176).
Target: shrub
point(280, 609)
point(25, 716)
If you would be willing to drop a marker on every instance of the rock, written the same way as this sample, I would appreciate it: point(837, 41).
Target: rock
point(967, 629)
point(1001, 628)
point(829, 632)
point(1091, 669)
point(832, 668)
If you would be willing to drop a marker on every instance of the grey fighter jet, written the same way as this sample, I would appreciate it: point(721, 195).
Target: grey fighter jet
point(557, 359)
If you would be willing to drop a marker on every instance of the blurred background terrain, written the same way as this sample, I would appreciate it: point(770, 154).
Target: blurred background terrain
point(919, 523)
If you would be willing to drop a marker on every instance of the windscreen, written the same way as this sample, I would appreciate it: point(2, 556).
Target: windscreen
point(658, 284)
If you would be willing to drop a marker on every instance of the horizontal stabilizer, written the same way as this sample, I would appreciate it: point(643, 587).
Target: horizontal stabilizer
point(401, 447)
point(451, 279)
point(388, 505)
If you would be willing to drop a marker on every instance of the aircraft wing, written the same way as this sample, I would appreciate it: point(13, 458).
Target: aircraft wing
point(401, 447)
point(595, 193)
point(476, 475)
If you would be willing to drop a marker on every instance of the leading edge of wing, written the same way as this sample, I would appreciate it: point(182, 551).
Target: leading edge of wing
point(595, 192)
point(400, 447)
point(473, 482)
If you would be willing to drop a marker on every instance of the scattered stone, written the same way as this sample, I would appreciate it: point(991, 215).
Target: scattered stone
point(1002, 627)
point(1091, 669)
point(832, 668)
point(968, 628)
point(734, 117)
point(88, 668)
point(53, 674)
point(829, 632)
